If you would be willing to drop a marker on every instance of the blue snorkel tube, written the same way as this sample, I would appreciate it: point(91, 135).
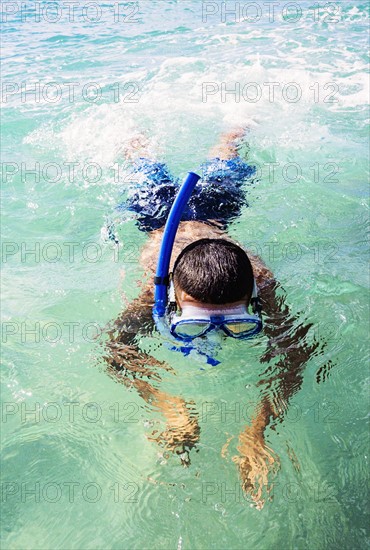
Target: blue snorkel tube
point(161, 279)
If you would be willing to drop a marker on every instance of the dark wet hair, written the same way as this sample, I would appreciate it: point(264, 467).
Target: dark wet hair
point(214, 271)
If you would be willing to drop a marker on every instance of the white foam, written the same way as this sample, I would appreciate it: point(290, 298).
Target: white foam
point(171, 109)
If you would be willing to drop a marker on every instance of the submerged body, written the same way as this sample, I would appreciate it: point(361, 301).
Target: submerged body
point(134, 368)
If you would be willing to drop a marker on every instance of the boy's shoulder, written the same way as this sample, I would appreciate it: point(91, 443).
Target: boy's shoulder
point(262, 273)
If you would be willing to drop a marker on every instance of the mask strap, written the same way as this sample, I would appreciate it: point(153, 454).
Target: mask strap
point(255, 300)
point(255, 290)
point(172, 305)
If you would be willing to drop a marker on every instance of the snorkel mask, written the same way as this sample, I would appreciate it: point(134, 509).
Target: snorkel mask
point(195, 322)
point(235, 322)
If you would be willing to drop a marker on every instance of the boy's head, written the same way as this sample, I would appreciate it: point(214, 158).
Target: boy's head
point(214, 272)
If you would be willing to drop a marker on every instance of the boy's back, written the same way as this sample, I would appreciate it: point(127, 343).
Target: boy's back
point(187, 233)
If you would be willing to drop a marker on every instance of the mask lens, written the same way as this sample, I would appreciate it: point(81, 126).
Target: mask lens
point(237, 329)
point(191, 329)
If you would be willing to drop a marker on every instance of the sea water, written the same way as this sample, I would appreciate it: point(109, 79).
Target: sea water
point(79, 82)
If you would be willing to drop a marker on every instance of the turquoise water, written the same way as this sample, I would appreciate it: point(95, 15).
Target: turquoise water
point(77, 468)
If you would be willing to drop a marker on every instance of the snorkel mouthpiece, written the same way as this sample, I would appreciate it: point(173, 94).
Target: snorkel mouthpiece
point(161, 280)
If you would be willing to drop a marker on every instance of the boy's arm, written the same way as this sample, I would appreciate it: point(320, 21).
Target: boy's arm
point(136, 369)
point(182, 429)
point(123, 339)
point(283, 380)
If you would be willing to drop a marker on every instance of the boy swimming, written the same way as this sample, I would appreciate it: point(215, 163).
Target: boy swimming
point(216, 287)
